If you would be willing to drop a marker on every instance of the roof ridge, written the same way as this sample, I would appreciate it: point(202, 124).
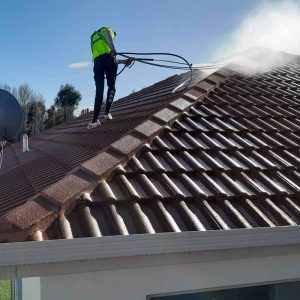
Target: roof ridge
point(39, 211)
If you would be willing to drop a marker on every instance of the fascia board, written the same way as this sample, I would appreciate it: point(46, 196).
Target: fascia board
point(14, 254)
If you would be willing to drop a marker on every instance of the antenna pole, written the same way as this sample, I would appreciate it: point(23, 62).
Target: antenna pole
point(2, 144)
point(25, 143)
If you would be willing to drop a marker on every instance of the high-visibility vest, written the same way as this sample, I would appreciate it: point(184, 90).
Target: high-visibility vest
point(99, 44)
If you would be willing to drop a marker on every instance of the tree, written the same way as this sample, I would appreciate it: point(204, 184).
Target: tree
point(84, 111)
point(24, 96)
point(67, 101)
point(9, 89)
point(36, 114)
point(33, 107)
point(50, 119)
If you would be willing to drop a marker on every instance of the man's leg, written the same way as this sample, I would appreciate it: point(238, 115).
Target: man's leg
point(111, 75)
point(99, 82)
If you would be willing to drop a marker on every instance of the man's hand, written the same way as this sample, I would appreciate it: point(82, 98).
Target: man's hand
point(113, 53)
point(128, 61)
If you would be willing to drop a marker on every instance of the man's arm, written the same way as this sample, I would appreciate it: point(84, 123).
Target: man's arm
point(110, 42)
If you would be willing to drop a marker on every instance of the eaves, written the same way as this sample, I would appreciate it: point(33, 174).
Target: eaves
point(36, 258)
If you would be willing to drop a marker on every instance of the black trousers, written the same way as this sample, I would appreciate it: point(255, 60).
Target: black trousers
point(104, 65)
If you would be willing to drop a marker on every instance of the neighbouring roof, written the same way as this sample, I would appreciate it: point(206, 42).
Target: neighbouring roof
point(223, 155)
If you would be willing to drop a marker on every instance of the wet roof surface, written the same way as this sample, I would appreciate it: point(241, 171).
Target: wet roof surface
point(231, 161)
point(57, 151)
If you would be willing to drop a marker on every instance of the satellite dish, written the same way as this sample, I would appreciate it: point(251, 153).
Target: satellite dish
point(11, 116)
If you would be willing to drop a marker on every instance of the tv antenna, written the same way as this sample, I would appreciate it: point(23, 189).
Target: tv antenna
point(11, 119)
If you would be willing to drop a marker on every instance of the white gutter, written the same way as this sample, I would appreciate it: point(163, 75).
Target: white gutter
point(55, 257)
point(14, 254)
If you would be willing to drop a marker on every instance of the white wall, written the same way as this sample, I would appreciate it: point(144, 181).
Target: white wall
point(137, 283)
point(31, 288)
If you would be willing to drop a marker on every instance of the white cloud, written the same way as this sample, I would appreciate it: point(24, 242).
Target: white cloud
point(80, 65)
point(271, 25)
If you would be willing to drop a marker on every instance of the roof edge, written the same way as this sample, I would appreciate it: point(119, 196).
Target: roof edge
point(141, 245)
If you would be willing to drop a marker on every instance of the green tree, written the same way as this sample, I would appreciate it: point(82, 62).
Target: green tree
point(50, 117)
point(67, 101)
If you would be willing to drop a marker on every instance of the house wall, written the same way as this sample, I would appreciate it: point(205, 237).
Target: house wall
point(136, 283)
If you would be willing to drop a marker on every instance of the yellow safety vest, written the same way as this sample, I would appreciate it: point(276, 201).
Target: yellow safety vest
point(99, 44)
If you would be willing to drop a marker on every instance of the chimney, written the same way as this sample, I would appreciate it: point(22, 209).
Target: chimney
point(25, 143)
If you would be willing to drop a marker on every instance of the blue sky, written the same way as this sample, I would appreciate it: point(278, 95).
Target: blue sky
point(39, 39)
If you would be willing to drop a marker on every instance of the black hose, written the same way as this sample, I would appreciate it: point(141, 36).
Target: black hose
point(121, 70)
point(185, 65)
point(163, 66)
point(188, 65)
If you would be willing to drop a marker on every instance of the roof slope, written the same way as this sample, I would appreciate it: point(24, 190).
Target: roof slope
point(223, 155)
point(230, 161)
point(58, 151)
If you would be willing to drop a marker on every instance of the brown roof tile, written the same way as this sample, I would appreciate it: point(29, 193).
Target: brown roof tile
point(148, 128)
point(19, 223)
point(102, 163)
point(165, 115)
point(181, 103)
point(68, 187)
point(127, 144)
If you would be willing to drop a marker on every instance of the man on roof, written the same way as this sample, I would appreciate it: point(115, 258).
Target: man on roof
point(105, 64)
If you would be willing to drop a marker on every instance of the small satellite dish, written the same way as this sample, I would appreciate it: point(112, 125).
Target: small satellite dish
point(11, 116)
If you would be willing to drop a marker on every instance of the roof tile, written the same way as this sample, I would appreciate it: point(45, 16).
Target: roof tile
point(165, 115)
point(148, 128)
point(205, 86)
point(127, 144)
point(102, 163)
point(27, 215)
point(181, 103)
point(68, 187)
point(194, 94)
point(215, 78)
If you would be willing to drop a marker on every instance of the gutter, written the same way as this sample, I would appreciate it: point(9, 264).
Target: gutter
point(13, 255)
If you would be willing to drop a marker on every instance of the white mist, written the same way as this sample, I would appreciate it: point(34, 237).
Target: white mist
point(271, 25)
